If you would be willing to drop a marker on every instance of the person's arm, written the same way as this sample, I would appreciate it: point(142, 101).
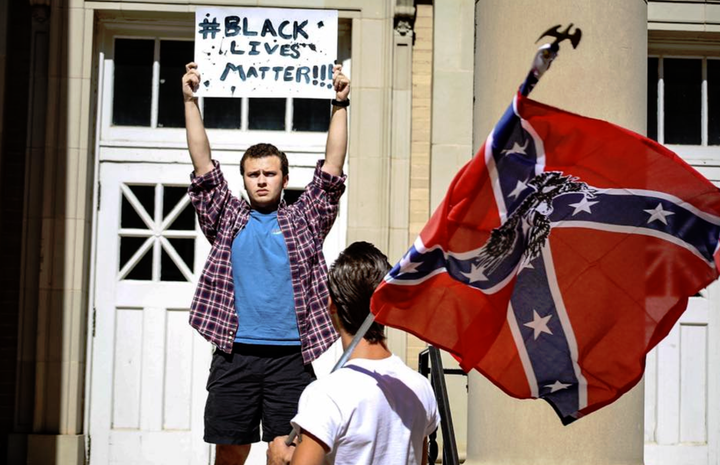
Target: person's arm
point(208, 189)
point(308, 451)
point(336, 147)
point(197, 139)
point(425, 451)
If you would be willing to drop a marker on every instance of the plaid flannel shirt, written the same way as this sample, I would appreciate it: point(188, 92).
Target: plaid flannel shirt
point(304, 224)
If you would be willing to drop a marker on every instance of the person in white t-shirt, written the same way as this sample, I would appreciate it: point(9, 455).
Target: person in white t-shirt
point(374, 410)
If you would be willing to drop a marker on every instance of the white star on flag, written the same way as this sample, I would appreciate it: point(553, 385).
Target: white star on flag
point(539, 324)
point(521, 186)
point(476, 274)
point(658, 214)
point(556, 386)
point(582, 206)
point(407, 266)
point(517, 148)
point(525, 264)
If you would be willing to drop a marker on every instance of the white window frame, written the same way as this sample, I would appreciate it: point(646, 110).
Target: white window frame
point(702, 154)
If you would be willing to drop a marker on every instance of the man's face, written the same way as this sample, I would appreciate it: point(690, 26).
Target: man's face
point(264, 182)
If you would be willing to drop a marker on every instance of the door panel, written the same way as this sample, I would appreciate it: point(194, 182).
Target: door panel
point(676, 431)
point(149, 367)
point(682, 424)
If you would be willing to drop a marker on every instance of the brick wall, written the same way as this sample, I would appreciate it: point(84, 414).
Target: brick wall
point(12, 169)
point(420, 136)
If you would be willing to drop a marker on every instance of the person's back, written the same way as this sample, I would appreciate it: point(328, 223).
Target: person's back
point(373, 412)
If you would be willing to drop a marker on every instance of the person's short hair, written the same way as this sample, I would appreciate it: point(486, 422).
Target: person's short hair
point(353, 277)
point(262, 151)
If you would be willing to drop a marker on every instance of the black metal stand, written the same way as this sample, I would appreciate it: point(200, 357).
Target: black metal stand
point(430, 364)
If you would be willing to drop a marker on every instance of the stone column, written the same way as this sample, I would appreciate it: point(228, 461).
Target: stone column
point(451, 141)
point(451, 133)
point(62, 306)
point(604, 78)
point(400, 120)
point(32, 218)
point(368, 186)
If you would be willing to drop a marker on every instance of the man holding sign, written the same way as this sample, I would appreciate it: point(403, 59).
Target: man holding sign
point(262, 296)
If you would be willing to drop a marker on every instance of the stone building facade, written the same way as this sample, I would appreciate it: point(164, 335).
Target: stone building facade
point(96, 359)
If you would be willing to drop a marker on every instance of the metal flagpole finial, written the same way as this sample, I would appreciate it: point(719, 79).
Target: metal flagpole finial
point(547, 53)
point(559, 35)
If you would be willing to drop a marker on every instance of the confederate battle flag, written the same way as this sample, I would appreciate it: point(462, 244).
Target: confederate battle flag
point(563, 252)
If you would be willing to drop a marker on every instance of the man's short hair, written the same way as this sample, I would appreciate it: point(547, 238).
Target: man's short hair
point(356, 273)
point(262, 151)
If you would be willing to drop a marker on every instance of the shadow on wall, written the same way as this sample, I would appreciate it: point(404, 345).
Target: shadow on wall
point(34, 306)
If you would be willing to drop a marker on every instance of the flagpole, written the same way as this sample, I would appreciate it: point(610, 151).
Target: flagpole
point(364, 327)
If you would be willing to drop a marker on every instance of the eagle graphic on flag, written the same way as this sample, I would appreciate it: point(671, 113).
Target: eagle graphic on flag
point(563, 252)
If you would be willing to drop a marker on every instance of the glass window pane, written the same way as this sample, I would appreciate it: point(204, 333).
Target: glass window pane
point(185, 249)
point(713, 86)
point(652, 98)
point(185, 220)
point(146, 196)
point(173, 195)
point(168, 269)
point(143, 268)
point(129, 218)
point(311, 114)
point(683, 79)
point(267, 114)
point(174, 55)
point(132, 82)
point(222, 113)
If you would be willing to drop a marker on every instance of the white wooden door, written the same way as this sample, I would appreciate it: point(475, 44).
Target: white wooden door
point(682, 383)
point(149, 367)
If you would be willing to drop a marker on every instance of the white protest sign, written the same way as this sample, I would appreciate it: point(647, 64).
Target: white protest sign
point(265, 52)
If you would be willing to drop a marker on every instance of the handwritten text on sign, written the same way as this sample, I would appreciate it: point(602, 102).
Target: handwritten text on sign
point(265, 52)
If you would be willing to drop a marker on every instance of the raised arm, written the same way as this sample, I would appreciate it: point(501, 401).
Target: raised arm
point(337, 140)
point(197, 139)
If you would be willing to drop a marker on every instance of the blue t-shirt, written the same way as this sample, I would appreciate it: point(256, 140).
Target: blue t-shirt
point(264, 298)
